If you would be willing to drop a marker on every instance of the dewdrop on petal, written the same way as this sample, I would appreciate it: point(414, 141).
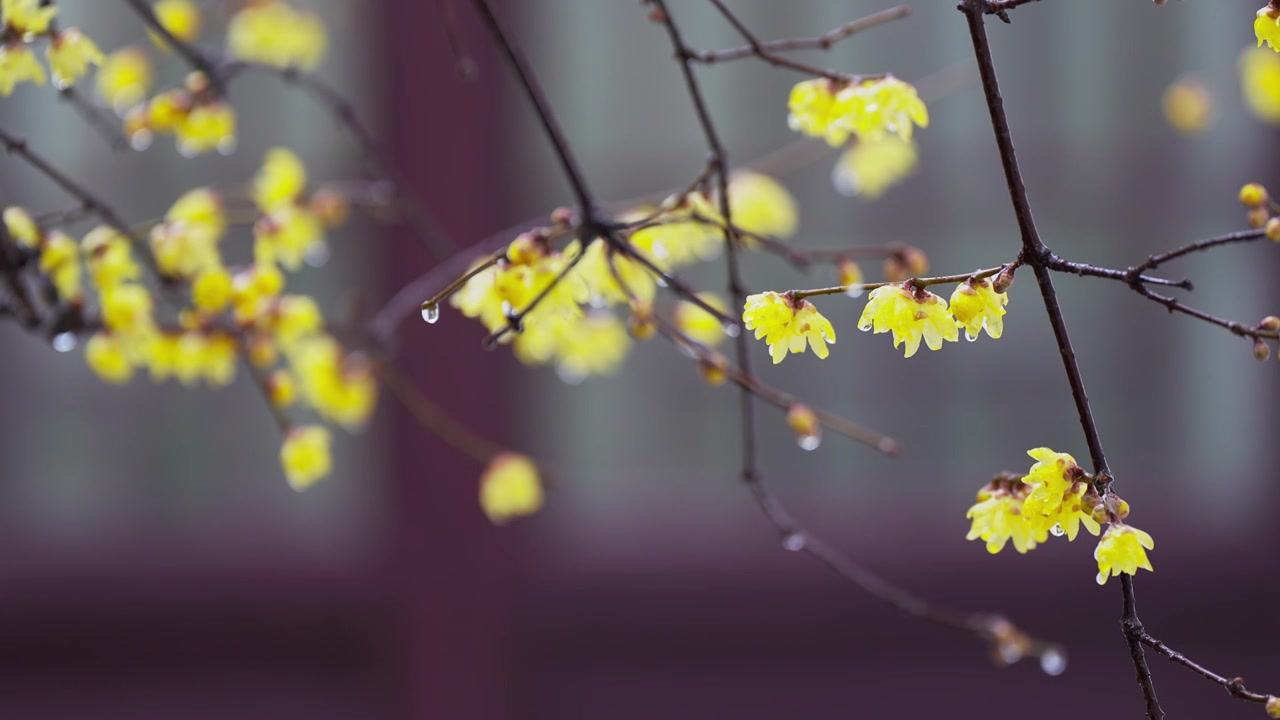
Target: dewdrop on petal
point(804, 422)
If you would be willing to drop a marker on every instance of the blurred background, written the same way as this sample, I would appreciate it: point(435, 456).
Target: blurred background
point(156, 564)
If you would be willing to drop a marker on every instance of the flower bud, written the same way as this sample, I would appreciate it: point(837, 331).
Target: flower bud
point(894, 269)
point(1261, 350)
point(1272, 229)
point(1253, 195)
point(805, 424)
point(562, 217)
point(1258, 217)
point(642, 325)
point(713, 369)
point(1004, 280)
point(916, 261)
point(1273, 706)
point(1270, 322)
point(330, 206)
point(850, 273)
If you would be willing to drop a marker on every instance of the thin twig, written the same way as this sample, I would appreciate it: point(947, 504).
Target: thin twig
point(822, 42)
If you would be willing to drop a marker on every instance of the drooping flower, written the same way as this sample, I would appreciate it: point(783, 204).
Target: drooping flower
point(186, 243)
point(976, 305)
point(60, 260)
point(1123, 549)
point(70, 55)
point(274, 33)
point(27, 17)
point(22, 227)
point(1266, 26)
point(281, 180)
point(911, 315)
point(205, 127)
point(305, 456)
point(869, 169)
point(286, 236)
point(124, 78)
point(1260, 83)
point(18, 64)
point(761, 205)
point(510, 488)
point(869, 110)
point(699, 324)
point(788, 325)
point(180, 17)
point(106, 356)
point(998, 518)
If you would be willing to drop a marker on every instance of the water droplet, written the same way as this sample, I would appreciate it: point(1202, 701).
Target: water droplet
point(970, 338)
point(227, 145)
point(732, 329)
point(1057, 530)
point(855, 291)
point(1053, 662)
point(64, 342)
point(430, 312)
point(141, 140)
point(1009, 652)
point(845, 181)
point(888, 445)
point(793, 541)
point(661, 282)
point(506, 309)
point(317, 254)
point(659, 251)
point(809, 442)
point(597, 302)
point(570, 377)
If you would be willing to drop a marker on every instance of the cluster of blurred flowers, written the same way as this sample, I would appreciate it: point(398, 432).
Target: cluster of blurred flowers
point(69, 53)
point(205, 314)
point(1057, 497)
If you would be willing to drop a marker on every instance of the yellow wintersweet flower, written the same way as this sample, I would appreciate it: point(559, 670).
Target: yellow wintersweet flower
point(911, 315)
point(273, 33)
point(699, 324)
point(594, 344)
point(211, 291)
point(106, 357)
point(1056, 500)
point(305, 456)
point(186, 243)
point(998, 518)
point(675, 238)
point(280, 181)
point(127, 308)
point(1267, 27)
point(869, 110)
point(27, 17)
point(870, 168)
point(787, 324)
point(22, 227)
point(610, 276)
point(18, 64)
point(761, 205)
point(1260, 83)
point(286, 235)
point(341, 389)
point(295, 318)
point(282, 389)
point(60, 260)
point(253, 292)
point(1188, 106)
point(510, 488)
point(1121, 550)
point(109, 257)
point(124, 78)
point(976, 305)
point(218, 359)
point(70, 55)
point(180, 17)
point(205, 127)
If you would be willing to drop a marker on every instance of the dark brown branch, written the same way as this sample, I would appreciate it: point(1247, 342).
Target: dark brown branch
point(1234, 686)
point(1156, 261)
point(103, 125)
point(759, 49)
point(822, 42)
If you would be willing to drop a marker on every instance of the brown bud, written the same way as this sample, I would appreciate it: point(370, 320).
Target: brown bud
point(894, 269)
point(1004, 280)
point(1261, 350)
point(916, 261)
point(562, 216)
point(330, 206)
point(1270, 322)
point(642, 325)
point(1272, 229)
point(1258, 217)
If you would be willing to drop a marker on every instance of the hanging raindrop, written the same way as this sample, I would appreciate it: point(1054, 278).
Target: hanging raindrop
point(64, 342)
point(793, 541)
point(430, 312)
point(809, 442)
point(1053, 662)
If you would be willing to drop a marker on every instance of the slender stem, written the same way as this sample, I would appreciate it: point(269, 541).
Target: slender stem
point(918, 282)
point(1156, 261)
point(822, 42)
point(1133, 632)
point(516, 319)
point(759, 49)
point(457, 284)
point(434, 418)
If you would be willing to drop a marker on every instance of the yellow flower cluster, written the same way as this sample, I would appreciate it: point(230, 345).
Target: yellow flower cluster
point(275, 34)
point(305, 456)
point(510, 488)
point(1266, 26)
point(70, 52)
point(698, 324)
point(913, 314)
point(124, 78)
point(197, 118)
point(788, 324)
point(1056, 497)
point(869, 110)
point(59, 253)
point(570, 322)
point(290, 230)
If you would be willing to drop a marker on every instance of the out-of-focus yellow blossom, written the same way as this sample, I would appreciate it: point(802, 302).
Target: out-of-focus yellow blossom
point(180, 17)
point(60, 260)
point(206, 127)
point(870, 168)
point(254, 290)
point(22, 227)
point(1273, 707)
point(1253, 195)
point(869, 110)
point(911, 315)
point(27, 17)
point(194, 356)
point(510, 488)
point(976, 305)
point(18, 64)
point(107, 358)
point(185, 244)
point(218, 361)
point(341, 389)
point(109, 257)
point(286, 235)
point(273, 33)
point(296, 317)
point(676, 238)
point(998, 518)
point(699, 324)
point(1188, 106)
point(282, 389)
point(211, 291)
point(1121, 550)
point(70, 55)
point(127, 308)
point(594, 344)
point(788, 324)
point(261, 350)
point(1266, 26)
point(804, 422)
point(850, 276)
point(305, 456)
point(610, 276)
point(761, 205)
point(124, 78)
point(280, 181)
point(1260, 83)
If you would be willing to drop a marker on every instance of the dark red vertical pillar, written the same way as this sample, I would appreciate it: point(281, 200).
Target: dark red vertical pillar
point(447, 567)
